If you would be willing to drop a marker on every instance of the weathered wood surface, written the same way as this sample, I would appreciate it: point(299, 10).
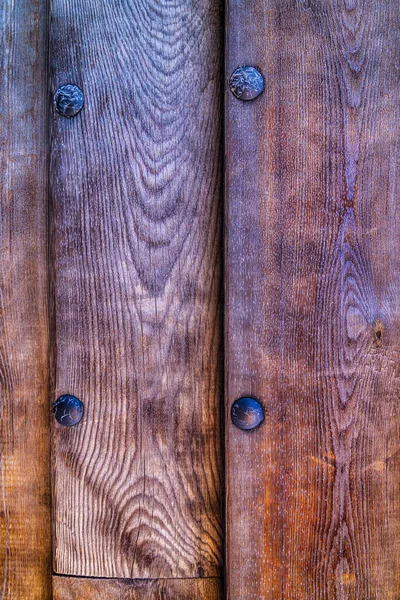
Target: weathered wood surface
point(135, 187)
point(313, 301)
point(25, 548)
point(74, 588)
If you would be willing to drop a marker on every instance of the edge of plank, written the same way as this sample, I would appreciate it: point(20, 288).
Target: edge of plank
point(75, 588)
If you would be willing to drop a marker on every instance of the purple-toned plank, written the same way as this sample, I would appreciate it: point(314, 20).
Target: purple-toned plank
point(313, 301)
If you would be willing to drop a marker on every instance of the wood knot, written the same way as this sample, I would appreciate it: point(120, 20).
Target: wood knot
point(378, 331)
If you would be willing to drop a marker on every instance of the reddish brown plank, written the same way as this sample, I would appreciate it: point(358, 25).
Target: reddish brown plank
point(135, 185)
point(313, 301)
point(73, 588)
point(25, 542)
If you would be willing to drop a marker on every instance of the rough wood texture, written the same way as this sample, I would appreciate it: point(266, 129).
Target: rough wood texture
point(25, 548)
point(313, 301)
point(135, 186)
point(73, 588)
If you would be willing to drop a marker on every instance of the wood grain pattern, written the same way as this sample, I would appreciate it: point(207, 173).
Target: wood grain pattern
point(25, 541)
point(313, 301)
point(135, 186)
point(74, 588)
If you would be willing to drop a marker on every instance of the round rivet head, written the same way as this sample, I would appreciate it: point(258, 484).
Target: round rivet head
point(68, 100)
point(246, 83)
point(68, 410)
point(247, 413)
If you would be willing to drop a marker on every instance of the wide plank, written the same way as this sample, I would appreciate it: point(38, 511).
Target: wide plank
point(313, 301)
point(136, 253)
point(25, 540)
point(74, 588)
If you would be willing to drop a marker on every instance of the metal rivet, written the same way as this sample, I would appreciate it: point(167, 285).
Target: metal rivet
point(68, 100)
point(247, 413)
point(68, 410)
point(246, 83)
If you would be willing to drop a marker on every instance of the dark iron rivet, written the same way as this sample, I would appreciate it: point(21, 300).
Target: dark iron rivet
point(68, 100)
point(246, 83)
point(247, 413)
point(68, 410)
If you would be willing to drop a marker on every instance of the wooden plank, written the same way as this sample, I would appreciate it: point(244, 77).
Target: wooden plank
point(74, 588)
point(135, 184)
point(25, 541)
point(313, 301)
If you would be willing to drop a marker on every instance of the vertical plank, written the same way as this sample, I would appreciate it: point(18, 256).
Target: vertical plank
point(74, 588)
point(25, 542)
point(135, 186)
point(313, 301)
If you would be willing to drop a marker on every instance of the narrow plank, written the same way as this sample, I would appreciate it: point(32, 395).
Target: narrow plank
point(135, 186)
point(25, 540)
point(74, 588)
point(313, 301)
